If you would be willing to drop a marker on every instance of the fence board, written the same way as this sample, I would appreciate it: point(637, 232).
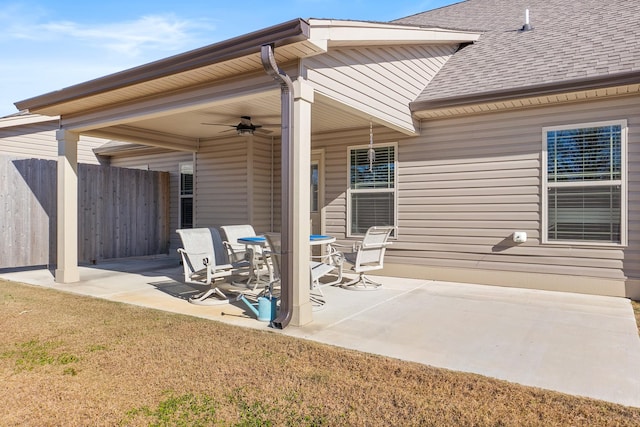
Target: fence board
point(121, 212)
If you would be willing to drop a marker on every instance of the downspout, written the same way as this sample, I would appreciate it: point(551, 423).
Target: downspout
point(286, 225)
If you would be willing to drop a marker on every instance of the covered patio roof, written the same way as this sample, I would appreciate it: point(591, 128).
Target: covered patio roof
point(344, 74)
point(163, 103)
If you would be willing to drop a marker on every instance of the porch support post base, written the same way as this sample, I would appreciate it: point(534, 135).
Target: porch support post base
point(301, 170)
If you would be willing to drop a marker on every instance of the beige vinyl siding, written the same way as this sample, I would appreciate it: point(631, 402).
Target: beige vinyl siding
point(277, 184)
point(378, 81)
point(221, 193)
point(38, 141)
point(238, 182)
point(631, 259)
point(336, 171)
point(86, 144)
point(166, 162)
point(263, 183)
point(466, 184)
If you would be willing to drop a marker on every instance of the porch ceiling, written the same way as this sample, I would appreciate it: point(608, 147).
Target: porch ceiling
point(182, 130)
point(263, 110)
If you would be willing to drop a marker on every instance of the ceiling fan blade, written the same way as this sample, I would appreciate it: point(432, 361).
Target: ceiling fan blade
point(218, 124)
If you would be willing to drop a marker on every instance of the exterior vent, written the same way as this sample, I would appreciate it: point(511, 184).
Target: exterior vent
point(527, 26)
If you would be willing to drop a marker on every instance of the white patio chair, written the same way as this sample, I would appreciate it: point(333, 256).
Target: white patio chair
point(325, 265)
point(204, 261)
point(238, 252)
point(368, 255)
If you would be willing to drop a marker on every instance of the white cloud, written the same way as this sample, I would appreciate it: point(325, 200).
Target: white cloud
point(162, 33)
point(154, 32)
point(42, 55)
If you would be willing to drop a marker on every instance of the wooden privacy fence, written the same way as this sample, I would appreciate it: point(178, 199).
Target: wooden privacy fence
point(121, 212)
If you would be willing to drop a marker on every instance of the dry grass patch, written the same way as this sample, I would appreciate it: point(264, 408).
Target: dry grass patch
point(69, 360)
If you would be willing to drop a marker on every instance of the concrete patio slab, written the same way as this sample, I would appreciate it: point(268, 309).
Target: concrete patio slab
point(578, 344)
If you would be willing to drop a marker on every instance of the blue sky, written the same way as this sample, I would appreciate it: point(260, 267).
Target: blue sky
point(47, 45)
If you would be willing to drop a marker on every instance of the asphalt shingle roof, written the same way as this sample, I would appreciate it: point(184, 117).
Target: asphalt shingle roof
point(571, 39)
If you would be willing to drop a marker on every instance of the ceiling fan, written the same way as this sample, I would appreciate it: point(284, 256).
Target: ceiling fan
point(245, 127)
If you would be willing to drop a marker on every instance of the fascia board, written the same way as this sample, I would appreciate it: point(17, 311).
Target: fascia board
point(361, 33)
point(26, 119)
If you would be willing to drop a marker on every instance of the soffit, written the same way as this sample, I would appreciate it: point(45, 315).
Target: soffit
point(209, 74)
point(527, 102)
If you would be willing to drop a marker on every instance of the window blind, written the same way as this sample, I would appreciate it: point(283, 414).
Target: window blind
point(587, 154)
point(379, 174)
point(584, 184)
point(371, 188)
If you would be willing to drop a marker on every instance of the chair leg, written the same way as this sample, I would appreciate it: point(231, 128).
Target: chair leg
point(206, 298)
point(362, 283)
point(254, 278)
point(318, 302)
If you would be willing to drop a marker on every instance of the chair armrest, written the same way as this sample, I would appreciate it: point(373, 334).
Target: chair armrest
point(352, 248)
point(375, 245)
point(194, 255)
point(234, 255)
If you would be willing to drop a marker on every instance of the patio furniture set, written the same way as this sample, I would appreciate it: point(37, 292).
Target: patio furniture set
point(251, 262)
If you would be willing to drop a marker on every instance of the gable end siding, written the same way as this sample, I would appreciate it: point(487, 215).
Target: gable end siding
point(378, 81)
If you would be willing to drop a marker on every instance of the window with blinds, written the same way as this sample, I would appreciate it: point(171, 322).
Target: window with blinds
point(584, 183)
point(186, 195)
point(372, 188)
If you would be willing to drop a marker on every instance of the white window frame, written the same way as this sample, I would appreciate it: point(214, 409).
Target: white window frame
point(394, 190)
point(622, 182)
point(191, 196)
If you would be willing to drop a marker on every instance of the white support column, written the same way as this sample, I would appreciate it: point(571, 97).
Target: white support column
point(67, 268)
point(300, 170)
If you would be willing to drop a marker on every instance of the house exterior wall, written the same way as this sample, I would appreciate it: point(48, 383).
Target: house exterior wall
point(263, 204)
point(222, 183)
point(336, 146)
point(466, 184)
point(233, 182)
point(166, 162)
point(237, 182)
point(378, 81)
point(38, 140)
